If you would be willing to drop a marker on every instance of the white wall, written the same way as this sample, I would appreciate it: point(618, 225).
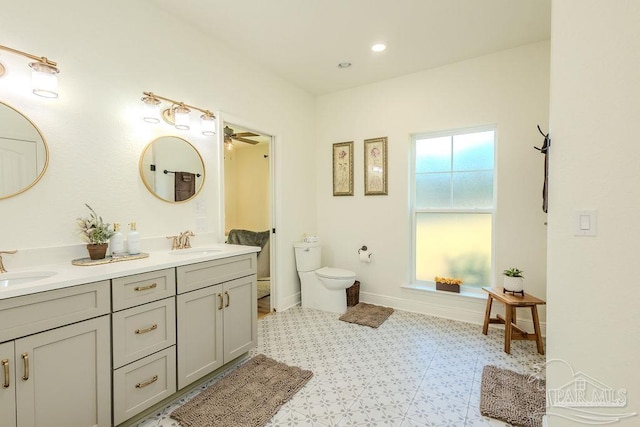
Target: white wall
point(593, 297)
point(108, 53)
point(509, 89)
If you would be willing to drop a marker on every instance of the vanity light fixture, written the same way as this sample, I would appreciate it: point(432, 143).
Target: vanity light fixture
point(181, 117)
point(151, 109)
point(43, 75)
point(178, 114)
point(208, 123)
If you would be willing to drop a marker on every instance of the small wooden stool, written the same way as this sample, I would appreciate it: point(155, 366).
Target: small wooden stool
point(511, 330)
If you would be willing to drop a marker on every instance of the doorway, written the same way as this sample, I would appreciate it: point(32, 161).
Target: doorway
point(248, 201)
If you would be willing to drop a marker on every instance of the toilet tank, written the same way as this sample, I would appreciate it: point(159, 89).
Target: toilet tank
point(307, 256)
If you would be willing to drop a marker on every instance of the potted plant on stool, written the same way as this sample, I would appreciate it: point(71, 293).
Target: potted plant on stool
point(513, 281)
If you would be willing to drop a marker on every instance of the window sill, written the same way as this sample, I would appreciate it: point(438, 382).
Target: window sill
point(477, 294)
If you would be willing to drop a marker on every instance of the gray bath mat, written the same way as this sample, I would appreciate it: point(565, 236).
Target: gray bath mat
point(247, 397)
point(367, 314)
point(512, 397)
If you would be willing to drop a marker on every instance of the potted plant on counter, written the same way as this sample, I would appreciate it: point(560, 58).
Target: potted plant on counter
point(513, 281)
point(94, 230)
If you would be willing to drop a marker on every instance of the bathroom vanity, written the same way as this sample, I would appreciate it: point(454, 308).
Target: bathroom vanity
point(140, 331)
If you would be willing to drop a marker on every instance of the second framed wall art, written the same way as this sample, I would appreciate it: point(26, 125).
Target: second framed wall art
point(375, 166)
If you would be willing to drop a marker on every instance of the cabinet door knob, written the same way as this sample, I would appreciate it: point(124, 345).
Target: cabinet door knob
point(25, 362)
point(5, 365)
point(228, 298)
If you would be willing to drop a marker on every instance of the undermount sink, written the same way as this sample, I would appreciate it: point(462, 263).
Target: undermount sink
point(196, 251)
point(12, 279)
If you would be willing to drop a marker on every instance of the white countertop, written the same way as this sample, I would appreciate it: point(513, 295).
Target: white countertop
point(68, 274)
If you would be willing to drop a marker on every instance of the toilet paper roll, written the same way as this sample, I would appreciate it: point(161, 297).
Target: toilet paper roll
point(365, 256)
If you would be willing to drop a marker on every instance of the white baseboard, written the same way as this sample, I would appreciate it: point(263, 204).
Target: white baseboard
point(454, 307)
point(288, 302)
point(470, 310)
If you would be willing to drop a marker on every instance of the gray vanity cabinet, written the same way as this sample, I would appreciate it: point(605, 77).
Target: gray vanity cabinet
point(60, 376)
point(144, 341)
point(216, 312)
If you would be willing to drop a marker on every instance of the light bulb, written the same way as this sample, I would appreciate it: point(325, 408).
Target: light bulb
point(181, 117)
point(44, 79)
point(208, 124)
point(151, 109)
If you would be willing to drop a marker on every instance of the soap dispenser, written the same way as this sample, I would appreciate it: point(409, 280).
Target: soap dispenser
point(117, 242)
point(133, 240)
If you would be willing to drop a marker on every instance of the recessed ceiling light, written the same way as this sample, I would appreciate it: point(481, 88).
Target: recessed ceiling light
point(378, 47)
point(344, 65)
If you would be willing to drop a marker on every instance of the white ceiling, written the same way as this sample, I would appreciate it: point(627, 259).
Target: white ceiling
point(304, 40)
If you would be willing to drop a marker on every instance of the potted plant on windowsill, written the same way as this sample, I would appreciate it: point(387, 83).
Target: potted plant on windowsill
point(448, 284)
point(513, 281)
point(94, 230)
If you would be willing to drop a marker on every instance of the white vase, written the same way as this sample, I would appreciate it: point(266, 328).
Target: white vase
point(513, 284)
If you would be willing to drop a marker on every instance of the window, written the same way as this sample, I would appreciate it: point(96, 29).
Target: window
point(453, 206)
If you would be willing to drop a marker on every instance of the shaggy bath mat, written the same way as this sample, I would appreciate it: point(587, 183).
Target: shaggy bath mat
point(367, 314)
point(247, 397)
point(512, 397)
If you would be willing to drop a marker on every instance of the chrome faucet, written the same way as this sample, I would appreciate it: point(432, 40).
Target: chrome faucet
point(183, 240)
point(2, 269)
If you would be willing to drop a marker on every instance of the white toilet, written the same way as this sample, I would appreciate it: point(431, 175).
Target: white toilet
point(322, 288)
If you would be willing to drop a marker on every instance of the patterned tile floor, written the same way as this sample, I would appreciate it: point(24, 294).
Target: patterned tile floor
point(414, 370)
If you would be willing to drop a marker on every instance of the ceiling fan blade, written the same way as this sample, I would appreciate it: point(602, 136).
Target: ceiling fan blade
point(241, 134)
point(248, 141)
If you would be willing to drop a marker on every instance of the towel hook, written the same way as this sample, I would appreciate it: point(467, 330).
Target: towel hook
point(363, 248)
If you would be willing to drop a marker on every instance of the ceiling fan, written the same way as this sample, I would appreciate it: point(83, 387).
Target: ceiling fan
point(230, 135)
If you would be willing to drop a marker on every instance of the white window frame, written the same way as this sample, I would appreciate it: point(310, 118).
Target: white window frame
point(430, 284)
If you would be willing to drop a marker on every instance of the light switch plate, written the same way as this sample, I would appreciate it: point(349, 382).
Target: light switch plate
point(201, 225)
point(201, 206)
point(585, 223)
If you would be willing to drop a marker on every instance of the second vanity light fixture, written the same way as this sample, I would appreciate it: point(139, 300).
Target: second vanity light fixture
point(43, 76)
point(177, 114)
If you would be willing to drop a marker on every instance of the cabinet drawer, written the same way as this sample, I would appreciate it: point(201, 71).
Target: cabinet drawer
point(142, 288)
point(33, 313)
point(200, 275)
point(142, 384)
point(142, 330)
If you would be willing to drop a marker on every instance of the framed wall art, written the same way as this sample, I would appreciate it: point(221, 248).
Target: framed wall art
point(375, 166)
point(343, 169)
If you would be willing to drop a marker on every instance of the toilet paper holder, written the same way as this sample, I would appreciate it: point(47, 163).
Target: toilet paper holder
point(364, 249)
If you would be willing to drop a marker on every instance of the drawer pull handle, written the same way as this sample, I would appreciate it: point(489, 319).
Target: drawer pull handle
point(25, 361)
point(228, 298)
point(145, 330)
point(5, 365)
point(220, 300)
point(145, 288)
point(146, 383)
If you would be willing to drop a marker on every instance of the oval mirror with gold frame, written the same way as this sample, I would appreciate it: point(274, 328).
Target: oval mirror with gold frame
point(172, 169)
point(24, 154)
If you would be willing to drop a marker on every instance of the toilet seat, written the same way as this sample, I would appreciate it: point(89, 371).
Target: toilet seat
point(335, 273)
